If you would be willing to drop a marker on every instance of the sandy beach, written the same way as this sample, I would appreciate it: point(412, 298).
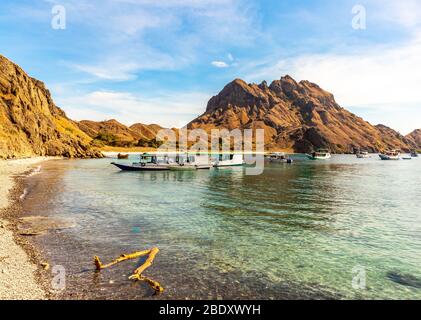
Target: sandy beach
point(17, 272)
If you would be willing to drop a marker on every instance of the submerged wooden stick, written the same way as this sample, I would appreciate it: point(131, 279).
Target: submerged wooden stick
point(152, 253)
point(137, 274)
point(123, 257)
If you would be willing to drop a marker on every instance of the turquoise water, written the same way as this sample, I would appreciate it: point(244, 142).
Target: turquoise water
point(296, 231)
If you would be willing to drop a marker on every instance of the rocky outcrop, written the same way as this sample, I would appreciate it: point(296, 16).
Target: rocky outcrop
point(31, 124)
point(298, 116)
point(415, 137)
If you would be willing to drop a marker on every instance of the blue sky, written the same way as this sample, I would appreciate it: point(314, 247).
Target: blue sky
point(160, 61)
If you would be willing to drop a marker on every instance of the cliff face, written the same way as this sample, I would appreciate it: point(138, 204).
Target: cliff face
point(298, 116)
point(31, 124)
point(415, 137)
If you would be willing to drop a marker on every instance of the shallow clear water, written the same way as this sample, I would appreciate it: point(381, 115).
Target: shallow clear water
point(296, 231)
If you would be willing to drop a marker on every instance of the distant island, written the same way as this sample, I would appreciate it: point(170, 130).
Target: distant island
point(296, 116)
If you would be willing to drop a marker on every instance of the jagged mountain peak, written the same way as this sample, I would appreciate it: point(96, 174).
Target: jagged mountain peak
point(298, 116)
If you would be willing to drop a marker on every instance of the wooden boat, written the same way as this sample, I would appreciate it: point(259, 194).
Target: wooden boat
point(321, 154)
point(390, 155)
point(123, 156)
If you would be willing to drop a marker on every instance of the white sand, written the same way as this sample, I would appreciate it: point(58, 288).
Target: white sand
point(17, 279)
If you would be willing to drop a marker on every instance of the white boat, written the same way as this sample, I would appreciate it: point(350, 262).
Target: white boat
point(362, 155)
point(390, 155)
point(190, 162)
point(227, 160)
point(279, 157)
point(321, 154)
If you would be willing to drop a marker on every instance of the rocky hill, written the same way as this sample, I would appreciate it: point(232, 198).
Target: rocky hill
point(114, 133)
point(296, 116)
point(31, 124)
point(415, 137)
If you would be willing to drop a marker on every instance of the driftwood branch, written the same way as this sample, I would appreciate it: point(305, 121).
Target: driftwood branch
point(137, 274)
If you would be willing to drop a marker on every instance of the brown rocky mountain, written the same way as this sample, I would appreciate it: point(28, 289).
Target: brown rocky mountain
point(147, 131)
point(112, 132)
point(298, 116)
point(30, 122)
point(415, 137)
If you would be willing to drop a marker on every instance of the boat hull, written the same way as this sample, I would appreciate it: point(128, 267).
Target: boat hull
point(228, 165)
point(189, 167)
point(125, 167)
point(318, 158)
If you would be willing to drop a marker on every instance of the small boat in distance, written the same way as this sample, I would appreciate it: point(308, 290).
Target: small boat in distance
point(362, 154)
point(123, 156)
point(414, 154)
point(390, 155)
point(279, 157)
point(321, 154)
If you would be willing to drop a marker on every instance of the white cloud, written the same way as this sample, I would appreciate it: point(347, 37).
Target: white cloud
point(220, 64)
point(368, 76)
point(168, 109)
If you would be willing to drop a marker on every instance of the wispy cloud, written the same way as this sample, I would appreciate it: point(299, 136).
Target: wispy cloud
point(406, 13)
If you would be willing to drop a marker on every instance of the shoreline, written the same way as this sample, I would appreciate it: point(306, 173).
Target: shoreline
point(21, 275)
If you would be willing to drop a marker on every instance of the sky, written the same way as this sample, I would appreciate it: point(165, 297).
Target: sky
point(160, 62)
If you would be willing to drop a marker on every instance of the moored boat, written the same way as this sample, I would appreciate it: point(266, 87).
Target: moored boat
point(279, 157)
point(321, 154)
point(228, 160)
point(390, 155)
point(190, 162)
point(148, 162)
point(362, 154)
